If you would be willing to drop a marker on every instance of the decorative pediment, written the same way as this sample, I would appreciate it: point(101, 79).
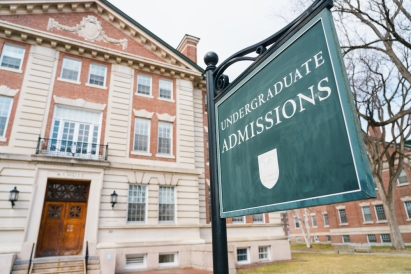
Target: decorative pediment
point(6, 91)
point(80, 103)
point(142, 113)
point(89, 28)
point(166, 117)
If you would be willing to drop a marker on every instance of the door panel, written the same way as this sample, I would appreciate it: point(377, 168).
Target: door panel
point(74, 228)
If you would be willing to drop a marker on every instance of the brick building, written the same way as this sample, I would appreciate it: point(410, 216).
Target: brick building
point(361, 221)
point(103, 134)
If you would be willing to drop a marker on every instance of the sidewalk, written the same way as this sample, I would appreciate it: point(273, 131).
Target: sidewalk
point(178, 271)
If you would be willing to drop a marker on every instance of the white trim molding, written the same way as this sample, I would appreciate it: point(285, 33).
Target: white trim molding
point(166, 117)
point(364, 204)
point(377, 203)
point(6, 91)
point(80, 103)
point(340, 207)
point(89, 28)
point(406, 199)
point(142, 113)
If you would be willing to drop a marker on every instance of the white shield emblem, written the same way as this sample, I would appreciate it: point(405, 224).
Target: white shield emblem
point(268, 168)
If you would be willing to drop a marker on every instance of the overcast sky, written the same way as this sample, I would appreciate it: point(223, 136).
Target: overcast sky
point(224, 26)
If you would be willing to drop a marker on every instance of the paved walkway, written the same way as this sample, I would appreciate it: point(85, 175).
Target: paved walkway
point(178, 271)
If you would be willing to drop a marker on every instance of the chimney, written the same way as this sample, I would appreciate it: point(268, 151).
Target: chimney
point(188, 47)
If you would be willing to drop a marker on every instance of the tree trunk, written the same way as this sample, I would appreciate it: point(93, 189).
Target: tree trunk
point(396, 238)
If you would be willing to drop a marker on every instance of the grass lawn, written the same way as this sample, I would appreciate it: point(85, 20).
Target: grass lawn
point(329, 247)
point(330, 263)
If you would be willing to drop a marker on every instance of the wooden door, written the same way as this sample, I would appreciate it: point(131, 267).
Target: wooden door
point(63, 222)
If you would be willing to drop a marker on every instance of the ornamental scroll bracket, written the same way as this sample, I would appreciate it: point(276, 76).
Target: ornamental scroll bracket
point(89, 28)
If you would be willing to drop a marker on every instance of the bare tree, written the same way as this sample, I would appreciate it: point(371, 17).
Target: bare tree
point(304, 223)
point(375, 39)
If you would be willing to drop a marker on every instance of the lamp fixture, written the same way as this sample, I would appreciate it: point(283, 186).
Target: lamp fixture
point(14, 196)
point(114, 196)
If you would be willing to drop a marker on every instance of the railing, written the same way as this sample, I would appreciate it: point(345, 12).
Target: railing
point(31, 258)
point(86, 257)
point(54, 147)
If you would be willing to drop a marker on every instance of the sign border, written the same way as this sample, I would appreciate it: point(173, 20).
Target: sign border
point(364, 189)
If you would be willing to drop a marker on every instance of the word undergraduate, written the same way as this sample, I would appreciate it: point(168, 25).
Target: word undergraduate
point(321, 91)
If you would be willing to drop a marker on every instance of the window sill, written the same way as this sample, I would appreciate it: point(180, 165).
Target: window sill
point(2, 139)
point(165, 156)
point(11, 70)
point(315, 227)
point(381, 222)
point(344, 224)
point(144, 95)
point(141, 153)
point(165, 99)
point(69, 81)
point(408, 220)
point(327, 226)
point(368, 223)
point(96, 86)
point(406, 184)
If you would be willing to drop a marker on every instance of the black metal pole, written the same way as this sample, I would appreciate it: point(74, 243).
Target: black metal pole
point(218, 225)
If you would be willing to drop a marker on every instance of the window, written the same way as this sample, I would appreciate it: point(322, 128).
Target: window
point(328, 237)
point(166, 88)
point(135, 261)
point(75, 132)
point(238, 220)
point(326, 223)
point(402, 179)
point(346, 238)
point(242, 255)
point(258, 218)
point(164, 138)
point(136, 203)
point(366, 214)
point(385, 238)
point(167, 259)
point(263, 253)
point(296, 223)
point(141, 135)
point(297, 239)
point(12, 56)
point(166, 204)
point(314, 220)
point(316, 239)
point(343, 216)
point(144, 84)
point(5, 108)
point(71, 69)
point(379, 210)
point(209, 202)
point(97, 75)
point(371, 238)
point(205, 103)
point(408, 209)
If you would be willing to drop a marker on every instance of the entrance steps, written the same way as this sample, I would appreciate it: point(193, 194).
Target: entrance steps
point(93, 266)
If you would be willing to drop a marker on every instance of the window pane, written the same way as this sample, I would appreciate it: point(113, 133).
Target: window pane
point(408, 209)
point(326, 219)
point(314, 220)
point(164, 138)
point(367, 214)
point(385, 238)
point(166, 204)
point(5, 105)
point(297, 223)
point(403, 178)
point(328, 238)
point(258, 218)
point(238, 219)
point(71, 69)
point(136, 203)
point(343, 216)
point(166, 258)
point(242, 254)
point(141, 134)
point(263, 253)
point(12, 56)
point(144, 84)
point(371, 238)
point(346, 238)
point(165, 89)
point(380, 212)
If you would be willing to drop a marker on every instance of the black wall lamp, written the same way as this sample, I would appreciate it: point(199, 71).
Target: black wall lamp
point(14, 196)
point(113, 198)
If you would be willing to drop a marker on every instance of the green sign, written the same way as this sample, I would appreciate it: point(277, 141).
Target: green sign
point(287, 134)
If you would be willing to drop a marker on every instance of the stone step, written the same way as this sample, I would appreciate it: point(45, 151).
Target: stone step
point(93, 262)
point(21, 271)
point(59, 269)
point(20, 266)
point(93, 271)
point(93, 266)
point(57, 264)
point(68, 272)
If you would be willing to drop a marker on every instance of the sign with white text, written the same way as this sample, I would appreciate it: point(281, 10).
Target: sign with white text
point(287, 133)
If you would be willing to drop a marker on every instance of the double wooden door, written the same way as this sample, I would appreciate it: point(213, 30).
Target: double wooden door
point(62, 228)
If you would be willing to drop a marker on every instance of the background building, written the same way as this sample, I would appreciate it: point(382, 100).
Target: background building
point(93, 105)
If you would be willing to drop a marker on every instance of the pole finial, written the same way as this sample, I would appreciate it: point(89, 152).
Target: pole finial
point(211, 58)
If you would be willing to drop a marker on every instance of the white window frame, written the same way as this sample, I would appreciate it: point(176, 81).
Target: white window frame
point(248, 255)
point(363, 215)
point(150, 95)
point(21, 60)
point(238, 222)
point(376, 214)
point(104, 86)
point(344, 240)
point(339, 215)
point(3, 137)
point(62, 67)
point(382, 239)
point(259, 222)
point(140, 152)
point(328, 238)
point(316, 239)
point(171, 140)
point(171, 91)
point(145, 207)
point(406, 212)
point(268, 253)
point(175, 205)
point(314, 218)
point(171, 263)
point(298, 239)
point(403, 174)
point(368, 239)
point(296, 221)
point(328, 220)
point(136, 266)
